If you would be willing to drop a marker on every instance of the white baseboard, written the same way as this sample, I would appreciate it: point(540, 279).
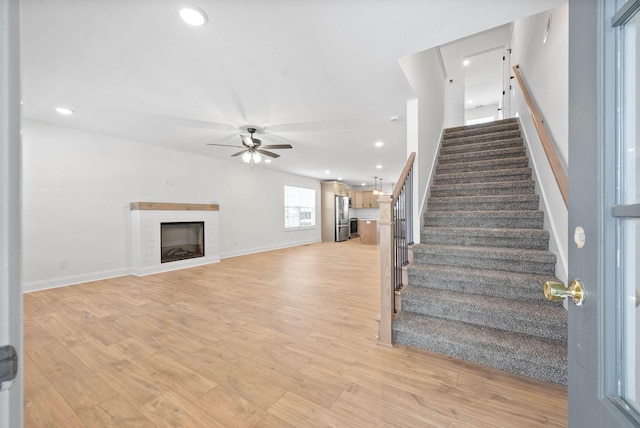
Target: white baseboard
point(247, 251)
point(64, 281)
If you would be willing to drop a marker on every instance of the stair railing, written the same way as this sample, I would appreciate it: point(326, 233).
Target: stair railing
point(396, 236)
point(547, 143)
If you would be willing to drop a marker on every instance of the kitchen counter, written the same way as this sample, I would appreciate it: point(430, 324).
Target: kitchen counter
point(368, 230)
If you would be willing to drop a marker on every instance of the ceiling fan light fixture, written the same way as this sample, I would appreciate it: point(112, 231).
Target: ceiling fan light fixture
point(256, 157)
point(246, 157)
point(193, 15)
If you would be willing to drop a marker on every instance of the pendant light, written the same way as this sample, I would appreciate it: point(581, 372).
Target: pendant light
point(375, 186)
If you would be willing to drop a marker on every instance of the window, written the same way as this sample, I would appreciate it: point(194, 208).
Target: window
point(299, 207)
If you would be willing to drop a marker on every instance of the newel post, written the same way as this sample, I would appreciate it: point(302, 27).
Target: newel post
point(387, 294)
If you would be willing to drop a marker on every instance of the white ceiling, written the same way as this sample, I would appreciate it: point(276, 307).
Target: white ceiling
point(320, 75)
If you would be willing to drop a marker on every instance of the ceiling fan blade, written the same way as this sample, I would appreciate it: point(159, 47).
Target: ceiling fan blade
point(223, 145)
point(239, 153)
point(267, 153)
point(247, 141)
point(277, 146)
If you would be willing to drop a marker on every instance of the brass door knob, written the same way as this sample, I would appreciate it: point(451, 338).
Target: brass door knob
point(557, 291)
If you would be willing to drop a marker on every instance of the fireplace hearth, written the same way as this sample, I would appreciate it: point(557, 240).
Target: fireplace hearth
point(181, 241)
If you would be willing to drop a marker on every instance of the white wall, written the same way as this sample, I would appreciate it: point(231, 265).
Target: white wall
point(78, 186)
point(545, 70)
point(424, 74)
point(454, 112)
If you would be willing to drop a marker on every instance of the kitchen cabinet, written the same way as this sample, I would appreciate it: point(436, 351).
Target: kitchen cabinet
point(366, 199)
point(359, 200)
point(368, 230)
point(369, 200)
point(374, 200)
point(339, 189)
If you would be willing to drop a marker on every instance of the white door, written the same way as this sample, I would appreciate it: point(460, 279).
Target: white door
point(11, 392)
point(604, 200)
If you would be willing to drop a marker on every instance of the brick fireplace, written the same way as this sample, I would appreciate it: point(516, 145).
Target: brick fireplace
point(169, 236)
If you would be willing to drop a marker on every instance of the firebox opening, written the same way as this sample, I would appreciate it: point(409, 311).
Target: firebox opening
point(181, 240)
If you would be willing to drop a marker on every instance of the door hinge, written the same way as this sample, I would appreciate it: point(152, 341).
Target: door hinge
point(8, 366)
point(504, 58)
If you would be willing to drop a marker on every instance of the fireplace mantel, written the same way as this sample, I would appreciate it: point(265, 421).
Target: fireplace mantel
point(171, 206)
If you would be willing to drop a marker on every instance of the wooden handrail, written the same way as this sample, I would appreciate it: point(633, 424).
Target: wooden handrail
point(547, 143)
point(403, 177)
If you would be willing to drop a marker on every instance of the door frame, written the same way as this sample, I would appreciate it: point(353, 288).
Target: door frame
point(11, 329)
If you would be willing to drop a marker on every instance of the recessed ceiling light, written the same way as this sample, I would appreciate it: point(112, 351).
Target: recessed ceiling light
point(326, 171)
point(465, 62)
point(64, 111)
point(339, 178)
point(379, 143)
point(267, 161)
point(363, 184)
point(379, 166)
point(193, 15)
point(469, 102)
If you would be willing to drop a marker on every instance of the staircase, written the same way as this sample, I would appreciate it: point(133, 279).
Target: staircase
point(475, 287)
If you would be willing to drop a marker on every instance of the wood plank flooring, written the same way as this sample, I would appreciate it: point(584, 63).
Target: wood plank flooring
point(277, 339)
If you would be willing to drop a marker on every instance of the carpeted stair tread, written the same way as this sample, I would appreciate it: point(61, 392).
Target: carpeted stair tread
point(461, 140)
point(507, 259)
point(489, 188)
point(519, 161)
point(510, 123)
point(531, 356)
point(534, 239)
point(481, 146)
point(520, 219)
point(508, 152)
point(536, 319)
point(524, 201)
point(487, 282)
point(507, 174)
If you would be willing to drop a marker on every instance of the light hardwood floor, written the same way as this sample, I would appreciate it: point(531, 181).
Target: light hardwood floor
point(278, 339)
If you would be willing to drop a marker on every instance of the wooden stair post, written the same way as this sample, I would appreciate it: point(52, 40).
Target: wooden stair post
point(387, 294)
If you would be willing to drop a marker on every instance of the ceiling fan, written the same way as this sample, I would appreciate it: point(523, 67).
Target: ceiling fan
point(253, 148)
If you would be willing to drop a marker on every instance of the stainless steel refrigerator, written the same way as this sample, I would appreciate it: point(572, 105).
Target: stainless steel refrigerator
point(342, 218)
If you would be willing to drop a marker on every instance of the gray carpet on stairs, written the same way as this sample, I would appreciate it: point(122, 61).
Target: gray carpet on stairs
point(475, 285)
